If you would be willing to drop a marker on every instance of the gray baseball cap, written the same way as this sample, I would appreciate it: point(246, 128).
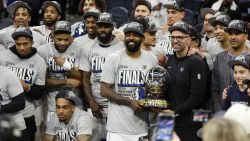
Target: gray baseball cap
point(92, 12)
point(62, 26)
point(220, 19)
point(52, 3)
point(237, 25)
point(68, 95)
point(12, 7)
point(243, 60)
point(22, 31)
point(180, 26)
point(134, 27)
point(148, 24)
point(105, 18)
point(174, 4)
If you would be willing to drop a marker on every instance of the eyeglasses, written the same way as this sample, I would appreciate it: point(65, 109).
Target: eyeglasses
point(178, 38)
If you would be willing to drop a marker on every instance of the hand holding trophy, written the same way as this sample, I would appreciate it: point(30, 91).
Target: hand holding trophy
point(156, 82)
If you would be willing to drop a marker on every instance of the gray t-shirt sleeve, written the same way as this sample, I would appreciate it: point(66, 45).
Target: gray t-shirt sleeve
point(2, 48)
point(39, 39)
point(40, 79)
point(78, 56)
point(42, 51)
point(85, 124)
point(108, 71)
point(14, 86)
point(84, 63)
point(51, 123)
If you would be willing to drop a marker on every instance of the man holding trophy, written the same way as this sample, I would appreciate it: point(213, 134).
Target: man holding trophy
point(123, 83)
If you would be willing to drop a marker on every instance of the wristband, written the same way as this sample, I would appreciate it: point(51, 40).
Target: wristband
point(66, 65)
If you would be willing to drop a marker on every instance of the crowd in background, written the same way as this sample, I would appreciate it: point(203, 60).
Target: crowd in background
point(99, 52)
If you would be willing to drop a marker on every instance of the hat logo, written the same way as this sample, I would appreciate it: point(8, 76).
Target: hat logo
point(62, 25)
point(71, 94)
point(240, 26)
point(134, 25)
point(172, 2)
point(181, 24)
point(225, 20)
point(150, 22)
point(241, 58)
point(23, 29)
point(104, 17)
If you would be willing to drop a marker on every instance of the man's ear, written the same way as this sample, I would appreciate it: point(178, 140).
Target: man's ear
point(73, 108)
point(71, 39)
point(183, 14)
point(59, 17)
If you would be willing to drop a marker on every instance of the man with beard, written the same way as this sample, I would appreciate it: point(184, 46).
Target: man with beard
point(21, 15)
point(30, 69)
point(123, 73)
point(68, 115)
point(142, 8)
point(208, 29)
point(92, 59)
point(60, 57)
point(187, 87)
point(222, 74)
point(175, 12)
point(51, 14)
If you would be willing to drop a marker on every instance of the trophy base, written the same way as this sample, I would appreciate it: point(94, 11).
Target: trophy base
point(154, 103)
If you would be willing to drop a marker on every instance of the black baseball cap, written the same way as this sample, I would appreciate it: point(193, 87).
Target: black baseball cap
point(220, 19)
point(175, 4)
point(91, 12)
point(144, 2)
point(134, 27)
point(54, 4)
point(205, 11)
point(180, 26)
point(22, 31)
point(62, 26)
point(242, 60)
point(195, 34)
point(12, 7)
point(148, 24)
point(67, 94)
point(105, 18)
point(237, 25)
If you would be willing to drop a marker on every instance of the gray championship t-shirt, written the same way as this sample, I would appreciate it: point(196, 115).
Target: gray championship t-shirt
point(47, 52)
point(82, 42)
point(31, 70)
point(11, 87)
point(45, 32)
point(7, 41)
point(164, 41)
point(128, 75)
point(80, 123)
point(92, 60)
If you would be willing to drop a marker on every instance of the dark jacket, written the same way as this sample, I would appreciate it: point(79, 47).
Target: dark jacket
point(188, 87)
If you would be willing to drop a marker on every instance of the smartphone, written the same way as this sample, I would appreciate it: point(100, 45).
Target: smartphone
point(201, 115)
point(164, 127)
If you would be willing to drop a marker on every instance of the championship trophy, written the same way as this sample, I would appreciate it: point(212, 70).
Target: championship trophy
point(156, 82)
